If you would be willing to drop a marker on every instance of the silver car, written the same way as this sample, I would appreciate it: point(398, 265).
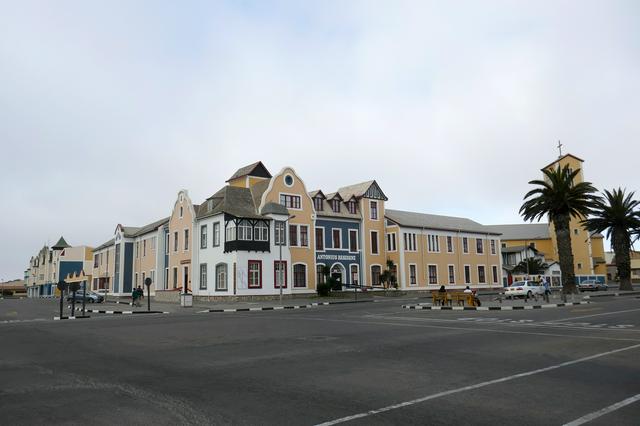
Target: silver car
point(592, 285)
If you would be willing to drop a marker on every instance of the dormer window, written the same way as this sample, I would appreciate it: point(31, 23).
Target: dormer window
point(335, 205)
point(351, 206)
point(317, 204)
point(209, 205)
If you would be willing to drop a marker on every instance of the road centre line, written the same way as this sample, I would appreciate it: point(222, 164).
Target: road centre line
point(475, 386)
point(606, 410)
point(596, 315)
point(513, 322)
point(489, 330)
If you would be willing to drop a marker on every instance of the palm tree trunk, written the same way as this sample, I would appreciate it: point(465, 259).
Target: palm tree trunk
point(565, 253)
point(623, 260)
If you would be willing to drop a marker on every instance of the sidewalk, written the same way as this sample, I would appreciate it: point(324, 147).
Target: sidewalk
point(495, 303)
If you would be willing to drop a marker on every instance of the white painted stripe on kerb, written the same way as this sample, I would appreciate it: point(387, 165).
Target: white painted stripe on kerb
point(606, 410)
point(471, 387)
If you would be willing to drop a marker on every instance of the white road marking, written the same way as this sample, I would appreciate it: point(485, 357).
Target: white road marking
point(476, 386)
point(595, 315)
point(606, 410)
point(471, 329)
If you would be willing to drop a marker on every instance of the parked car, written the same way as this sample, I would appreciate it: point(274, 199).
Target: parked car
point(90, 297)
point(592, 285)
point(524, 288)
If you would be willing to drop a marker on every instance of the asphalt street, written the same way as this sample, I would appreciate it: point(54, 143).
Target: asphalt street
point(359, 364)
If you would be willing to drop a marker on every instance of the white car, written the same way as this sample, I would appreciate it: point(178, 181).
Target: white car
point(524, 288)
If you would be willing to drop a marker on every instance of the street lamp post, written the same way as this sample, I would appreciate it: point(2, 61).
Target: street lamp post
point(147, 282)
point(279, 275)
point(62, 286)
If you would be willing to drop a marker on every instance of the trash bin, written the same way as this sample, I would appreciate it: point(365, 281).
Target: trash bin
point(186, 300)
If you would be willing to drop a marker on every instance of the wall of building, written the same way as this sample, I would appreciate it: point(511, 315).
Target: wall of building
point(181, 258)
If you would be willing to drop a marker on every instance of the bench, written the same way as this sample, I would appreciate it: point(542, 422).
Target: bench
point(461, 298)
point(439, 298)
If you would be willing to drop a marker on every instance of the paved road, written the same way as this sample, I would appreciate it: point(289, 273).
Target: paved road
point(367, 364)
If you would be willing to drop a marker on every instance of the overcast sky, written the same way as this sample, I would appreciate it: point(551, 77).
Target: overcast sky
point(107, 109)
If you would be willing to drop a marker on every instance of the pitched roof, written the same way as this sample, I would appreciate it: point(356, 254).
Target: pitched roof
point(432, 221)
point(130, 231)
point(61, 244)
point(316, 193)
point(522, 231)
point(151, 227)
point(327, 211)
point(560, 159)
point(369, 189)
point(232, 200)
point(256, 169)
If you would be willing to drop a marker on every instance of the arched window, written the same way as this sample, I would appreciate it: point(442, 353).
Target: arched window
point(261, 232)
point(300, 275)
point(221, 277)
point(375, 275)
point(355, 275)
point(245, 232)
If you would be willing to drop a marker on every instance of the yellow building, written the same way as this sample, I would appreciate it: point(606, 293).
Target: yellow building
point(432, 250)
point(588, 250)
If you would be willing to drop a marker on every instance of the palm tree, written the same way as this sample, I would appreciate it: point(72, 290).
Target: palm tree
point(617, 213)
point(531, 266)
point(559, 198)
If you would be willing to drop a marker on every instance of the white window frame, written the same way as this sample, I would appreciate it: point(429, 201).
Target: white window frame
point(357, 241)
point(290, 195)
point(306, 276)
point(415, 268)
point(332, 240)
point(351, 265)
point(449, 266)
point(321, 228)
point(464, 272)
point(465, 250)
point(300, 235)
point(204, 231)
point(226, 277)
point(495, 278)
point(493, 244)
point(429, 276)
point(481, 245)
point(451, 249)
point(391, 242)
point(372, 202)
point(484, 267)
point(433, 243)
point(203, 282)
point(185, 234)
point(216, 234)
point(377, 244)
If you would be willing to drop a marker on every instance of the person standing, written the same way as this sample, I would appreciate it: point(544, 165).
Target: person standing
point(547, 289)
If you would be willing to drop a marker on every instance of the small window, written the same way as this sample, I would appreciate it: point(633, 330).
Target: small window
point(374, 242)
point(180, 211)
point(433, 274)
point(280, 274)
point(493, 246)
point(375, 275)
point(351, 206)
point(579, 265)
point(293, 235)
point(391, 242)
point(465, 245)
point(300, 275)
point(494, 274)
point(203, 276)
point(374, 210)
point(320, 239)
point(449, 244)
point(261, 232)
point(467, 274)
point(481, 275)
point(203, 236)
point(452, 274)
point(221, 277)
point(336, 238)
point(479, 246)
point(186, 239)
point(288, 180)
point(575, 231)
point(335, 205)
point(320, 278)
point(304, 236)
point(255, 273)
point(317, 204)
point(279, 235)
point(216, 234)
point(412, 274)
point(175, 241)
point(353, 240)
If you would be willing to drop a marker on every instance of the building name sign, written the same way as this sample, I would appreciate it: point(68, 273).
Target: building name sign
point(337, 257)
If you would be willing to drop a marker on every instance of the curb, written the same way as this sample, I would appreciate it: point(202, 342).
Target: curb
point(492, 308)
point(614, 294)
point(100, 311)
point(71, 318)
point(278, 308)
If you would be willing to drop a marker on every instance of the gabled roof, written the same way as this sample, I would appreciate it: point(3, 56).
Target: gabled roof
point(368, 189)
point(233, 200)
point(61, 244)
point(560, 159)
point(333, 195)
point(151, 227)
point(432, 221)
point(523, 231)
point(256, 169)
point(317, 193)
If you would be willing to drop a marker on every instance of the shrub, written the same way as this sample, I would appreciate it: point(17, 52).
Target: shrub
point(323, 289)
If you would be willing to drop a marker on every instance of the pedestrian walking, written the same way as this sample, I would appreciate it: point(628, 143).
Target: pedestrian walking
point(547, 289)
point(140, 296)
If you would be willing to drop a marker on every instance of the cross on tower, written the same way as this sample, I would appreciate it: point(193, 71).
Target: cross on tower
point(560, 148)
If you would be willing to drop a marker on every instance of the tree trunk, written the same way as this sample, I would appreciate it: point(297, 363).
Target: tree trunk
point(621, 249)
point(565, 253)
